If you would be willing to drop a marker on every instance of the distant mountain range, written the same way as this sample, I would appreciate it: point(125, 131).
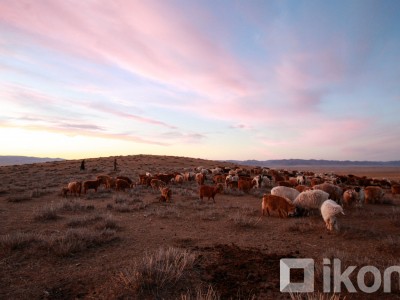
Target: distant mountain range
point(316, 162)
point(21, 160)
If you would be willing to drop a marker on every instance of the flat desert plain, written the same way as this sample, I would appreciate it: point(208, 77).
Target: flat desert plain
point(128, 245)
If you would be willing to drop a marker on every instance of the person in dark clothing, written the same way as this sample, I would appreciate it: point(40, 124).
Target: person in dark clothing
point(115, 164)
point(83, 165)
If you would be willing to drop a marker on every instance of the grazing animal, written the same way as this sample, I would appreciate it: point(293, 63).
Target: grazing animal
point(127, 179)
point(335, 192)
point(302, 188)
point(121, 185)
point(273, 202)
point(110, 183)
point(210, 191)
point(164, 177)
point(166, 194)
point(200, 177)
point(395, 189)
point(245, 185)
point(286, 192)
point(311, 199)
point(350, 197)
point(103, 179)
point(74, 188)
point(64, 191)
point(189, 176)
point(218, 178)
point(157, 184)
point(329, 210)
point(91, 185)
point(373, 194)
point(301, 179)
point(179, 178)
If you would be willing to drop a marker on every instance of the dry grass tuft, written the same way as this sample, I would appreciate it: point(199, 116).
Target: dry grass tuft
point(244, 221)
point(84, 221)
point(304, 225)
point(77, 240)
point(158, 272)
point(315, 296)
point(46, 213)
point(20, 198)
point(108, 223)
point(18, 240)
point(201, 294)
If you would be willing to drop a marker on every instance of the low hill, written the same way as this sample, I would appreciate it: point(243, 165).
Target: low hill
point(316, 162)
point(21, 160)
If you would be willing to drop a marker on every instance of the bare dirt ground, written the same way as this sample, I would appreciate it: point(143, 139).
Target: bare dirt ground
point(96, 246)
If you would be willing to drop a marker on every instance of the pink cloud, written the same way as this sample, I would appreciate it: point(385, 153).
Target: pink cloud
point(32, 100)
point(83, 130)
point(149, 38)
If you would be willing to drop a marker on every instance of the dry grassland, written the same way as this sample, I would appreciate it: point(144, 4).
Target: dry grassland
point(128, 245)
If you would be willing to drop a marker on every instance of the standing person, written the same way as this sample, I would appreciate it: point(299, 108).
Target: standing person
point(115, 164)
point(83, 165)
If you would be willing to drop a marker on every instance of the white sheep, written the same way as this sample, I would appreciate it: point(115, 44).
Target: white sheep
point(329, 210)
point(286, 192)
point(311, 199)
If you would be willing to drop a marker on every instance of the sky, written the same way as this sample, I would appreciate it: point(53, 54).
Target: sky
point(213, 79)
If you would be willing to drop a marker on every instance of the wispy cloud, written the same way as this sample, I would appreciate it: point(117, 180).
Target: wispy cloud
point(284, 76)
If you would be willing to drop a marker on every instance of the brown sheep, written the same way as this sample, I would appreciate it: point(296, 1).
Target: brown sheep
point(75, 188)
point(64, 191)
point(373, 194)
point(218, 178)
point(127, 179)
point(156, 184)
point(245, 185)
point(395, 189)
point(111, 183)
point(302, 188)
point(273, 202)
point(179, 178)
point(335, 192)
point(121, 185)
point(91, 184)
point(350, 197)
point(285, 183)
point(200, 178)
point(103, 179)
point(210, 191)
point(164, 177)
point(166, 194)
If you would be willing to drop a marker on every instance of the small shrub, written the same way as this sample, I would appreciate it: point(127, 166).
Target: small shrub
point(77, 240)
point(304, 225)
point(18, 240)
point(83, 221)
point(166, 212)
point(36, 193)
point(122, 207)
point(201, 294)
point(315, 296)
point(208, 215)
point(72, 206)
point(158, 271)
point(46, 213)
point(241, 220)
point(20, 198)
point(108, 223)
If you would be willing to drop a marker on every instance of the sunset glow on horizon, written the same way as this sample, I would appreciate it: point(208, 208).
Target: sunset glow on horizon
point(206, 79)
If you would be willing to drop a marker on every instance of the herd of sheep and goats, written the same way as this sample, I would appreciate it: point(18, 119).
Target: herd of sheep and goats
point(292, 193)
